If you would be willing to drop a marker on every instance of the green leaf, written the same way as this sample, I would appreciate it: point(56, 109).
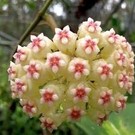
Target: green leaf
point(90, 128)
point(122, 123)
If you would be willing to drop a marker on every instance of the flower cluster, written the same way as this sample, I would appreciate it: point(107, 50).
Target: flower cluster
point(73, 75)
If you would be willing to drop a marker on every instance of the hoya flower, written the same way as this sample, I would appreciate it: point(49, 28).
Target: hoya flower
point(79, 67)
point(75, 113)
point(111, 36)
point(32, 70)
point(56, 61)
point(87, 48)
point(120, 102)
point(90, 27)
point(102, 70)
point(105, 97)
point(87, 73)
point(18, 87)
point(48, 123)
point(65, 40)
point(21, 55)
point(79, 93)
point(37, 43)
point(28, 107)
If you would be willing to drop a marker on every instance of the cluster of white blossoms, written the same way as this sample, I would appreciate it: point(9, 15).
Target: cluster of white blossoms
point(73, 75)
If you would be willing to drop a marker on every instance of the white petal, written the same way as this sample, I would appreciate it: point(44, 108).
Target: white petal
point(91, 29)
point(42, 100)
point(66, 28)
point(34, 110)
point(55, 97)
point(86, 72)
point(112, 30)
point(42, 43)
point(26, 67)
point(88, 50)
point(90, 19)
point(32, 37)
point(72, 91)
point(64, 40)
point(62, 63)
point(55, 69)
point(35, 49)
point(57, 30)
point(99, 69)
point(71, 68)
point(100, 101)
point(77, 75)
point(103, 77)
point(36, 75)
point(111, 40)
point(121, 84)
point(41, 36)
point(98, 23)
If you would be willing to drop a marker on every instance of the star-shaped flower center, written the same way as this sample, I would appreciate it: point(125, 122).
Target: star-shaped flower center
point(20, 55)
point(93, 26)
point(75, 113)
point(54, 61)
point(32, 70)
point(79, 68)
point(123, 80)
point(112, 37)
point(48, 96)
point(36, 42)
point(105, 97)
point(105, 70)
point(29, 108)
point(102, 118)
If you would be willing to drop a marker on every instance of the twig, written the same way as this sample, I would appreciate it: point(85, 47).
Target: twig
point(7, 36)
point(46, 132)
point(129, 29)
point(50, 22)
point(35, 22)
point(113, 12)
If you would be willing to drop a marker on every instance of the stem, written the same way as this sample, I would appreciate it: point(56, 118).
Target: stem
point(35, 22)
point(46, 132)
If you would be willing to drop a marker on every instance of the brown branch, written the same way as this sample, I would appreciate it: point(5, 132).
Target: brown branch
point(116, 8)
point(35, 22)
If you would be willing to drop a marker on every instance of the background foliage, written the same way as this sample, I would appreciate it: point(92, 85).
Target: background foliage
point(15, 17)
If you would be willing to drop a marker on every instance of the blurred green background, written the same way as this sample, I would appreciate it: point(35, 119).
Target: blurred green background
point(15, 17)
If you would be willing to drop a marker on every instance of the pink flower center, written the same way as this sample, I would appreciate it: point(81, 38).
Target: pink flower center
point(48, 124)
point(105, 70)
point(122, 101)
point(124, 79)
point(79, 67)
point(54, 61)
point(122, 57)
point(63, 34)
point(75, 114)
point(19, 86)
point(106, 98)
point(90, 43)
point(80, 93)
point(19, 54)
point(11, 71)
point(48, 96)
point(92, 24)
point(114, 36)
point(28, 108)
point(32, 69)
point(36, 42)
